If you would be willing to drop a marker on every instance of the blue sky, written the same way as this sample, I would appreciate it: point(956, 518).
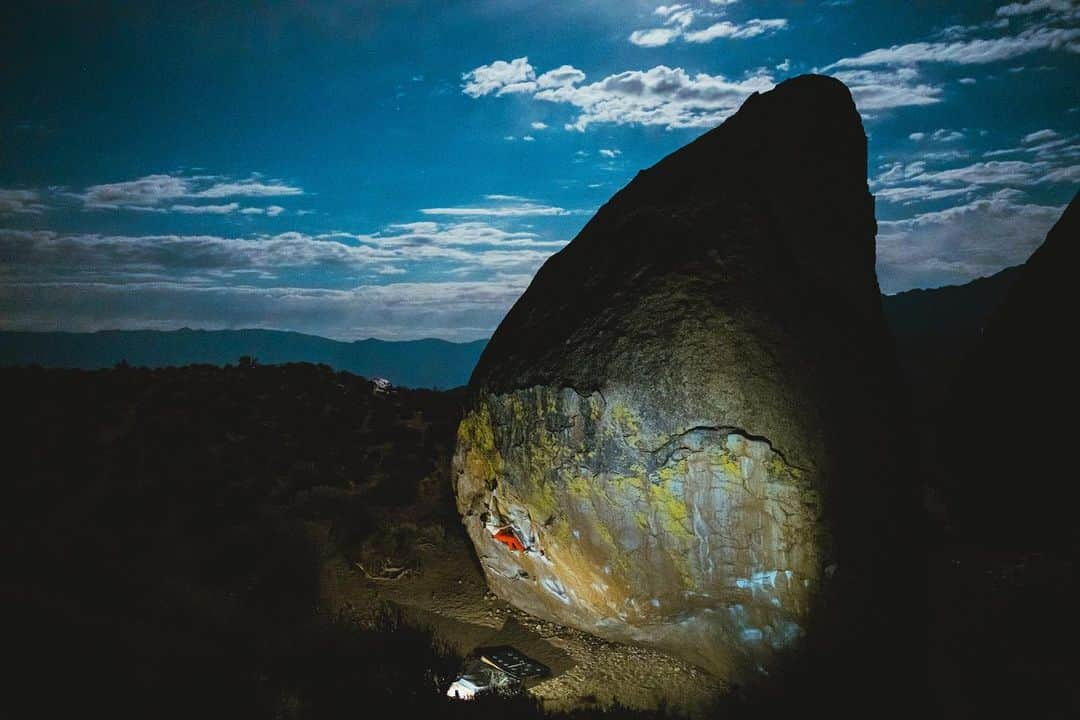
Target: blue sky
point(401, 169)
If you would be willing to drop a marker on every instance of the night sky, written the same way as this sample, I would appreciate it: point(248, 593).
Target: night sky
point(401, 169)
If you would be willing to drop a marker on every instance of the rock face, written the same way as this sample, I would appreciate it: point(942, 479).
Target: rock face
point(687, 417)
point(1019, 379)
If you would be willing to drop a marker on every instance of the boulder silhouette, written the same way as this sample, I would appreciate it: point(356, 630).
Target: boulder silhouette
point(1002, 491)
point(689, 418)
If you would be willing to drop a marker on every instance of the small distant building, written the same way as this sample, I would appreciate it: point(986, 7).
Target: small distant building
point(382, 386)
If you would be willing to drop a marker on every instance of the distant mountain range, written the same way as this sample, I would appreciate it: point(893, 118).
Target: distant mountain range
point(415, 363)
point(934, 329)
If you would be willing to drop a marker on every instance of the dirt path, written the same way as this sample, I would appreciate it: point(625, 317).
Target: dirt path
point(448, 594)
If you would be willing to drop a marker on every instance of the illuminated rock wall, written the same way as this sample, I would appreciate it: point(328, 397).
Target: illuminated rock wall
point(701, 542)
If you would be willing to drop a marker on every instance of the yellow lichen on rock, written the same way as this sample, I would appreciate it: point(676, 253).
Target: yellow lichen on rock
point(477, 440)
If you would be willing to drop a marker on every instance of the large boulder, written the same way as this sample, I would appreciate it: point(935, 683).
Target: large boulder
point(687, 419)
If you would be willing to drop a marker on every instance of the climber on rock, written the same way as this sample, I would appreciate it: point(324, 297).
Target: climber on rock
point(509, 538)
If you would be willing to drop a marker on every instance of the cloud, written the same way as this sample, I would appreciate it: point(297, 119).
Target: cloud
point(21, 202)
point(500, 77)
point(676, 17)
point(962, 243)
point(885, 89)
point(1065, 175)
point(898, 172)
point(609, 153)
point(679, 15)
point(507, 198)
point(248, 188)
point(1000, 172)
point(538, 126)
point(36, 261)
point(735, 31)
point(654, 37)
point(679, 18)
point(464, 310)
point(63, 255)
point(1063, 7)
point(945, 155)
point(967, 52)
point(668, 97)
point(156, 192)
point(562, 76)
point(473, 272)
point(946, 135)
point(270, 210)
point(459, 234)
point(1054, 161)
point(1040, 135)
point(888, 77)
point(672, 98)
point(147, 190)
point(665, 10)
point(917, 136)
point(206, 209)
point(523, 209)
point(528, 138)
point(967, 81)
point(918, 193)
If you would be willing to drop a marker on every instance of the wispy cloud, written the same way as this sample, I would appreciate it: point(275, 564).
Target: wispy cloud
point(507, 210)
point(736, 31)
point(248, 188)
point(44, 255)
point(472, 272)
point(888, 88)
point(1039, 136)
point(147, 190)
point(961, 243)
point(205, 209)
point(967, 52)
point(681, 15)
point(503, 206)
point(460, 234)
point(1053, 160)
point(1065, 8)
point(269, 210)
point(676, 22)
point(162, 191)
point(654, 37)
point(610, 152)
point(919, 193)
point(462, 310)
point(946, 135)
point(21, 202)
point(1013, 173)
